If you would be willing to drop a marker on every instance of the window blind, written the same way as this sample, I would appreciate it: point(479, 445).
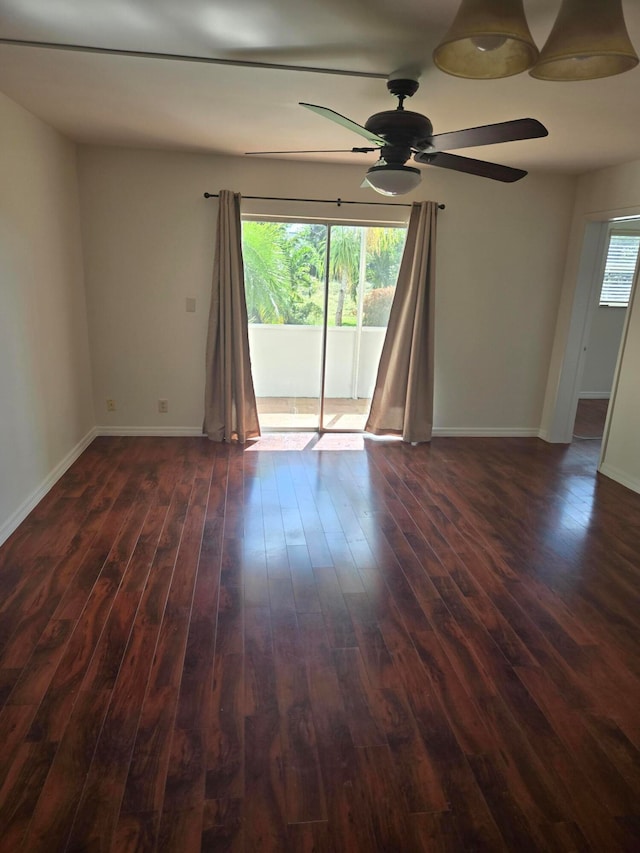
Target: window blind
point(620, 268)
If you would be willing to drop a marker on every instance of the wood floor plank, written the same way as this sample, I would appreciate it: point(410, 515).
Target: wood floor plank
point(27, 617)
point(260, 692)
point(56, 807)
point(617, 795)
point(264, 803)
point(222, 828)
point(436, 832)
point(182, 813)
point(97, 817)
point(377, 803)
point(21, 790)
point(54, 710)
point(144, 789)
point(303, 580)
point(36, 675)
point(8, 679)
point(304, 792)
point(334, 608)
point(224, 780)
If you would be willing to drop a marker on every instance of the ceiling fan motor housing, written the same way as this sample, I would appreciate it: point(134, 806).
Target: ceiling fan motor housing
point(401, 127)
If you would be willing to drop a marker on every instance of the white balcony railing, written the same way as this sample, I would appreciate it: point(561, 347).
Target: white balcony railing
point(286, 360)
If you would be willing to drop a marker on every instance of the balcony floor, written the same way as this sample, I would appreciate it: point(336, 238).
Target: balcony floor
point(340, 413)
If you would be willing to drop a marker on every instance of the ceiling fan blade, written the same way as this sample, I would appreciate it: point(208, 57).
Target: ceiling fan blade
point(332, 115)
point(472, 167)
point(320, 151)
point(489, 134)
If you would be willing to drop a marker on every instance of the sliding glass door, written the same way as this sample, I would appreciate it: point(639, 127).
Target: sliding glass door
point(363, 269)
point(318, 300)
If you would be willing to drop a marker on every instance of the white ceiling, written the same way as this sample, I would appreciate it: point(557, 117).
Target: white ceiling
point(198, 106)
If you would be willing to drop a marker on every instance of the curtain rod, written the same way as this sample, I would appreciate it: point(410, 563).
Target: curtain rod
point(338, 201)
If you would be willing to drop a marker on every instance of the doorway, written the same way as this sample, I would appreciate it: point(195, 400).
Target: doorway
point(564, 389)
point(318, 301)
point(616, 272)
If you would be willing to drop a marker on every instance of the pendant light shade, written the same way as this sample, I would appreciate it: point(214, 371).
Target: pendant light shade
point(589, 39)
point(488, 39)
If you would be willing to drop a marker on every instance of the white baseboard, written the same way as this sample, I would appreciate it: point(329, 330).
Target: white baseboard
point(620, 477)
point(545, 435)
point(175, 432)
point(595, 395)
point(458, 432)
point(36, 496)
point(484, 432)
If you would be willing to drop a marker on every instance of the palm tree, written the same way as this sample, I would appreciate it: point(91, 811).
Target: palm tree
point(305, 260)
point(345, 255)
point(266, 274)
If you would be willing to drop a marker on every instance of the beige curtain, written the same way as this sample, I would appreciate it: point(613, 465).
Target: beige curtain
point(402, 401)
point(230, 402)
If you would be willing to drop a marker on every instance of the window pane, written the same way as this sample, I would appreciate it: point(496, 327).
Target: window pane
point(284, 272)
point(619, 271)
point(384, 253)
point(284, 286)
point(363, 270)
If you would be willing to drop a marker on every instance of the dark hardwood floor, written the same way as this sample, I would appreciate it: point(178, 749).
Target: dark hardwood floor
point(381, 648)
point(590, 419)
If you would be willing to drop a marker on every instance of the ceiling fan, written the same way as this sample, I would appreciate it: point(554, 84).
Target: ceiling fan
point(398, 134)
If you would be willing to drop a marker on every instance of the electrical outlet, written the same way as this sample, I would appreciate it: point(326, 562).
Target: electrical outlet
point(190, 305)
point(163, 406)
point(111, 405)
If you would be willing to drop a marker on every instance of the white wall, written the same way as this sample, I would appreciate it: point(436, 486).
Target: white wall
point(601, 196)
point(621, 457)
point(602, 352)
point(46, 407)
point(148, 238)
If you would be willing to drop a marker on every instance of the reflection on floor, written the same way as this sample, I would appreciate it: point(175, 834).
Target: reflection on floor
point(340, 413)
point(291, 440)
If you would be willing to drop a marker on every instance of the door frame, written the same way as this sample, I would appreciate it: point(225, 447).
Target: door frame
point(592, 258)
point(329, 223)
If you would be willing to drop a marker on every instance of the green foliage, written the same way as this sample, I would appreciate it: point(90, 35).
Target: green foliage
point(376, 306)
point(266, 278)
point(284, 267)
point(384, 253)
point(345, 256)
point(281, 263)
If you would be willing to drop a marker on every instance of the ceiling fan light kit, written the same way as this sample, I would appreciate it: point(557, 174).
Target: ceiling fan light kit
point(392, 179)
point(487, 40)
point(490, 39)
point(589, 40)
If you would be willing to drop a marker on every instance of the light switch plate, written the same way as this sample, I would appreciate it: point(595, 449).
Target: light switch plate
point(191, 304)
